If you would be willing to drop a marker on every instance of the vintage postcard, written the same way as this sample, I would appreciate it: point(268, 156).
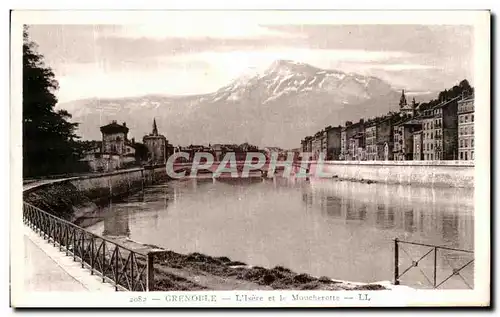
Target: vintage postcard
point(250, 158)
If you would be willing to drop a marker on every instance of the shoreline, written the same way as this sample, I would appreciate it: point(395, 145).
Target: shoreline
point(196, 271)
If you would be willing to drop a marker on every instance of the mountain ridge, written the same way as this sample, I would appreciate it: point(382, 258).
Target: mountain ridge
point(279, 106)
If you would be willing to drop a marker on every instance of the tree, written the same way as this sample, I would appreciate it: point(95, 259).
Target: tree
point(48, 137)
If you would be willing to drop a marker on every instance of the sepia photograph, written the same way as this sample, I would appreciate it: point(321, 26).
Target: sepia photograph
point(250, 158)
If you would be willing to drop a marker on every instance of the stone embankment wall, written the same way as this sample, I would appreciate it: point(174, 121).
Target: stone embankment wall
point(426, 173)
point(75, 197)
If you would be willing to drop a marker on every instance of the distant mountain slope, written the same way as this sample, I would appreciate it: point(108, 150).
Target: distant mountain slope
point(278, 107)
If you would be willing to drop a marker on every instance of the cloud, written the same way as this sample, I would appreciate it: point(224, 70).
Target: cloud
point(176, 28)
point(180, 57)
point(402, 67)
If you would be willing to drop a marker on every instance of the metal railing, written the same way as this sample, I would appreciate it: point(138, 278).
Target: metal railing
point(126, 269)
point(432, 249)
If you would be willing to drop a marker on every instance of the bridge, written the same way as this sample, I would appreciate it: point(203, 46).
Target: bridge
point(240, 167)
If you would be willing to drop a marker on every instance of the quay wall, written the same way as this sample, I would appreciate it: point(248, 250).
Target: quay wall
point(426, 173)
point(76, 197)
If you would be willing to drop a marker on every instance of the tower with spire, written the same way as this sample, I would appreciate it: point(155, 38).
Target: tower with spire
point(155, 128)
point(404, 107)
point(402, 100)
point(158, 147)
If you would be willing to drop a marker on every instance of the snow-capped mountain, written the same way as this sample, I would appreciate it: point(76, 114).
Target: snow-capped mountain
point(286, 77)
point(279, 106)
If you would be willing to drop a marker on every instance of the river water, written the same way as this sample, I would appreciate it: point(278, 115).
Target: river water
point(343, 230)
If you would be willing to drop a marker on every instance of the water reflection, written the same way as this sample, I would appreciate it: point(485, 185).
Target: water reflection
point(116, 222)
point(321, 227)
point(403, 208)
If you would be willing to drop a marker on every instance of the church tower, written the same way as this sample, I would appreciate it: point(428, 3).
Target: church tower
point(404, 107)
point(157, 146)
point(402, 100)
point(155, 129)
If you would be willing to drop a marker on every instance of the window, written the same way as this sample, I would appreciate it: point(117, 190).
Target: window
point(472, 155)
point(461, 143)
point(466, 118)
point(472, 143)
point(472, 130)
point(472, 119)
point(465, 156)
point(432, 146)
point(432, 157)
point(461, 155)
point(432, 135)
point(461, 119)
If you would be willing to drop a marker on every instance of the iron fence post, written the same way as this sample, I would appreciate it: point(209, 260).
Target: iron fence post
point(396, 262)
point(82, 250)
point(74, 244)
point(150, 273)
point(435, 266)
point(91, 255)
point(116, 268)
point(103, 261)
point(60, 238)
point(132, 271)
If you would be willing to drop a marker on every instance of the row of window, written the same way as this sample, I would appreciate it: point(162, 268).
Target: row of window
point(431, 156)
point(430, 125)
point(430, 135)
point(465, 118)
point(466, 130)
point(430, 146)
point(469, 106)
point(428, 157)
point(465, 156)
point(465, 143)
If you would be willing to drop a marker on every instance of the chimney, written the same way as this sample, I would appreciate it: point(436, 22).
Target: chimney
point(113, 121)
point(124, 124)
point(133, 140)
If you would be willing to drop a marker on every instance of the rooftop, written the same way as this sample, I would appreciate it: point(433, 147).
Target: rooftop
point(114, 127)
point(446, 102)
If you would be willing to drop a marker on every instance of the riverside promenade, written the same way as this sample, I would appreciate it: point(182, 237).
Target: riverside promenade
point(48, 269)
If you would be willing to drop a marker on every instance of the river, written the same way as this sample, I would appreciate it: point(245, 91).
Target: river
point(340, 229)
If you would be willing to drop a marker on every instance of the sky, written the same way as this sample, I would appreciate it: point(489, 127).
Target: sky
point(179, 57)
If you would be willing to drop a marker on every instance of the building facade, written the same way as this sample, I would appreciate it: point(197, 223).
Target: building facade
point(385, 140)
point(417, 146)
point(466, 128)
point(355, 139)
point(333, 142)
point(371, 142)
point(446, 130)
point(157, 146)
point(428, 146)
point(114, 138)
point(344, 143)
point(403, 139)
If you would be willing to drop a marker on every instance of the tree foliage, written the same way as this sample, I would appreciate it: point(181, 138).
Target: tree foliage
point(49, 137)
point(447, 94)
